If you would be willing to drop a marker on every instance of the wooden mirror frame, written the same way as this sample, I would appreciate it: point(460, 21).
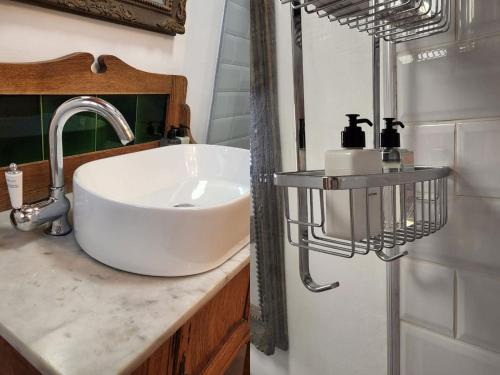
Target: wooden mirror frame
point(167, 18)
point(72, 75)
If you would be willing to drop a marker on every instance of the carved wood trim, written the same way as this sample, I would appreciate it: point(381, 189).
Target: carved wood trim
point(72, 75)
point(168, 18)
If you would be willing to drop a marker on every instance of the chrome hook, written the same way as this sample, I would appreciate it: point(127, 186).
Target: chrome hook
point(305, 275)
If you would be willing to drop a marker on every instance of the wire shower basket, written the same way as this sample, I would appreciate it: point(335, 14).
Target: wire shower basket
point(423, 214)
point(394, 21)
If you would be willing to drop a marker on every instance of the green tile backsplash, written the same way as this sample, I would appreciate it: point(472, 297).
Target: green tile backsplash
point(25, 120)
point(151, 111)
point(20, 129)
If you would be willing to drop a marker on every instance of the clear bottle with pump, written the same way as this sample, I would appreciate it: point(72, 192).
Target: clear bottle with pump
point(396, 159)
point(352, 159)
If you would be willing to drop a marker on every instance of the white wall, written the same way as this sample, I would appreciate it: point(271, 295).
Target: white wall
point(31, 33)
point(343, 331)
point(449, 95)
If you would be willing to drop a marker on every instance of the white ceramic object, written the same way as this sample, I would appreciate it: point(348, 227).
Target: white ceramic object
point(125, 212)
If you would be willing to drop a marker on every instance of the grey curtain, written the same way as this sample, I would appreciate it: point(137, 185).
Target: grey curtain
point(268, 312)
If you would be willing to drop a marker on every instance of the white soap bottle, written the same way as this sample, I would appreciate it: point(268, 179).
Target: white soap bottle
point(352, 159)
point(396, 159)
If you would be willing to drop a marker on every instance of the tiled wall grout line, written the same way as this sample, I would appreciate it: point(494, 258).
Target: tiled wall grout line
point(136, 117)
point(455, 303)
point(454, 174)
point(435, 262)
point(239, 66)
point(451, 121)
point(416, 323)
point(236, 35)
point(41, 127)
point(225, 62)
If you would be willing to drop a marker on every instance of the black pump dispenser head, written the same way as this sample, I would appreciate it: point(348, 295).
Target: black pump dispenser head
point(353, 136)
point(390, 137)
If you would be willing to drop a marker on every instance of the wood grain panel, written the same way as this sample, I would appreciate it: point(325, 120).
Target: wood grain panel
point(72, 75)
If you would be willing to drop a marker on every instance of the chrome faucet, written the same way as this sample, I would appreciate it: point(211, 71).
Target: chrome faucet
point(54, 210)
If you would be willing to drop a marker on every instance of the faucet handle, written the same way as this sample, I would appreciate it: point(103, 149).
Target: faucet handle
point(14, 178)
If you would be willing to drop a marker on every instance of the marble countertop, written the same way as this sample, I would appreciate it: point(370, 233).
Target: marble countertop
point(68, 314)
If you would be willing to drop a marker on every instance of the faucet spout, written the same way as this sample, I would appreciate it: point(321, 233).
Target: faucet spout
point(54, 210)
point(61, 117)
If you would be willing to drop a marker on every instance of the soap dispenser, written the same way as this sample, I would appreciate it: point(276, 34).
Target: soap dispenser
point(352, 159)
point(396, 159)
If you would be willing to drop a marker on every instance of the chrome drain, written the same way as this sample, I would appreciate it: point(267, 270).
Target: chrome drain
point(184, 205)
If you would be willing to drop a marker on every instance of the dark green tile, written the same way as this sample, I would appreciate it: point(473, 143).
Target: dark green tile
point(151, 112)
point(106, 136)
point(20, 129)
point(79, 134)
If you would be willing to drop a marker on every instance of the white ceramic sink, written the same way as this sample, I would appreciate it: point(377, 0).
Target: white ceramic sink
point(171, 211)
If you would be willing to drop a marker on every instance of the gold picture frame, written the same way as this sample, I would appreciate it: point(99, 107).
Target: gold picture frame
point(166, 17)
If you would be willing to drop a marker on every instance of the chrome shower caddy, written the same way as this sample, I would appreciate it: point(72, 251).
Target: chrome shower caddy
point(394, 21)
point(430, 209)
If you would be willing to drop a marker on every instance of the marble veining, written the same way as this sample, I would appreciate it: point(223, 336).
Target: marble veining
point(68, 314)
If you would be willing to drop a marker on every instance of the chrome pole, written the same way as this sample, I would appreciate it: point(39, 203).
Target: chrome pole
point(392, 268)
point(376, 93)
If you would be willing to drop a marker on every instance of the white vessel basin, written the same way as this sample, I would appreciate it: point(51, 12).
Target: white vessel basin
point(170, 211)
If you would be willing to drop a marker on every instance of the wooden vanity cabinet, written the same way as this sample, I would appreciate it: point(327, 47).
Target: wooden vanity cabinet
point(212, 339)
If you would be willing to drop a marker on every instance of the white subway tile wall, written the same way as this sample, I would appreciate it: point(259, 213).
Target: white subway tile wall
point(460, 80)
point(427, 295)
point(432, 144)
point(478, 309)
point(424, 352)
point(230, 117)
point(478, 18)
point(478, 158)
point(434, 40)
point(449, 93)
